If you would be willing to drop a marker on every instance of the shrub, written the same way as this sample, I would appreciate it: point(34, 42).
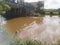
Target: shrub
point(47, 13)
point(4, 7)
point(55, 13)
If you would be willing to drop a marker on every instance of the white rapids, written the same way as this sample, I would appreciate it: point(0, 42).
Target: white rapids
point(49, 31)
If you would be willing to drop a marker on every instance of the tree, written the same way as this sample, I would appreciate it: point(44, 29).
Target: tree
point(59, 11)
point(39, 8)
point(29, 9)
point(4, 7)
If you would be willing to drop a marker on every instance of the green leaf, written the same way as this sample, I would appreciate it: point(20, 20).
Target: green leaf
point(1, 8)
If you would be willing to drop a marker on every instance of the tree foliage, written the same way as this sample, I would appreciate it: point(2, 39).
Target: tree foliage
point(4, 7)
point(29, 9)
point(39, 7)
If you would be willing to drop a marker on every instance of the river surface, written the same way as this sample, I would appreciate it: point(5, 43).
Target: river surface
point(19, 23)
point(36, 28)
point(4, 37)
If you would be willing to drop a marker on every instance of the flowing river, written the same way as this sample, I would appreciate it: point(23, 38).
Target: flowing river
point(4, 37)
point(35, 28)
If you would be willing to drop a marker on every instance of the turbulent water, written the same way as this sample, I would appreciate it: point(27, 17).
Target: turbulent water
point(46, 29)
point(3, 34)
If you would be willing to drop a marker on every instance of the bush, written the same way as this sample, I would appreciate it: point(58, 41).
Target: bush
point(47, 13)
point(55, 13)
point(4, 7)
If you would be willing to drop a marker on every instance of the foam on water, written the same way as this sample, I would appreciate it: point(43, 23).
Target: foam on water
point(52, 29)
point(49, 31)
point(2, 21)
point(3, 34)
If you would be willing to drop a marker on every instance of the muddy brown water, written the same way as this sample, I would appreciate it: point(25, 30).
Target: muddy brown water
point(36, 28)
point(15, 24)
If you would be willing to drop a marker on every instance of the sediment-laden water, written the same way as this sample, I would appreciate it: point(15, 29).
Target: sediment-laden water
point(48, 30)
point(35, 28)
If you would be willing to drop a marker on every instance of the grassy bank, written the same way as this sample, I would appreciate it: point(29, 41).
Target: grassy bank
point(29, 42)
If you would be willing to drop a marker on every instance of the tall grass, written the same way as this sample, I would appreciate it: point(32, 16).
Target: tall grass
point(14, 41)
point(29, 42)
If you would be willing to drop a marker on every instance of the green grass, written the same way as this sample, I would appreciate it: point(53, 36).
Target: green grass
point(29, 42)
point(14, 41)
